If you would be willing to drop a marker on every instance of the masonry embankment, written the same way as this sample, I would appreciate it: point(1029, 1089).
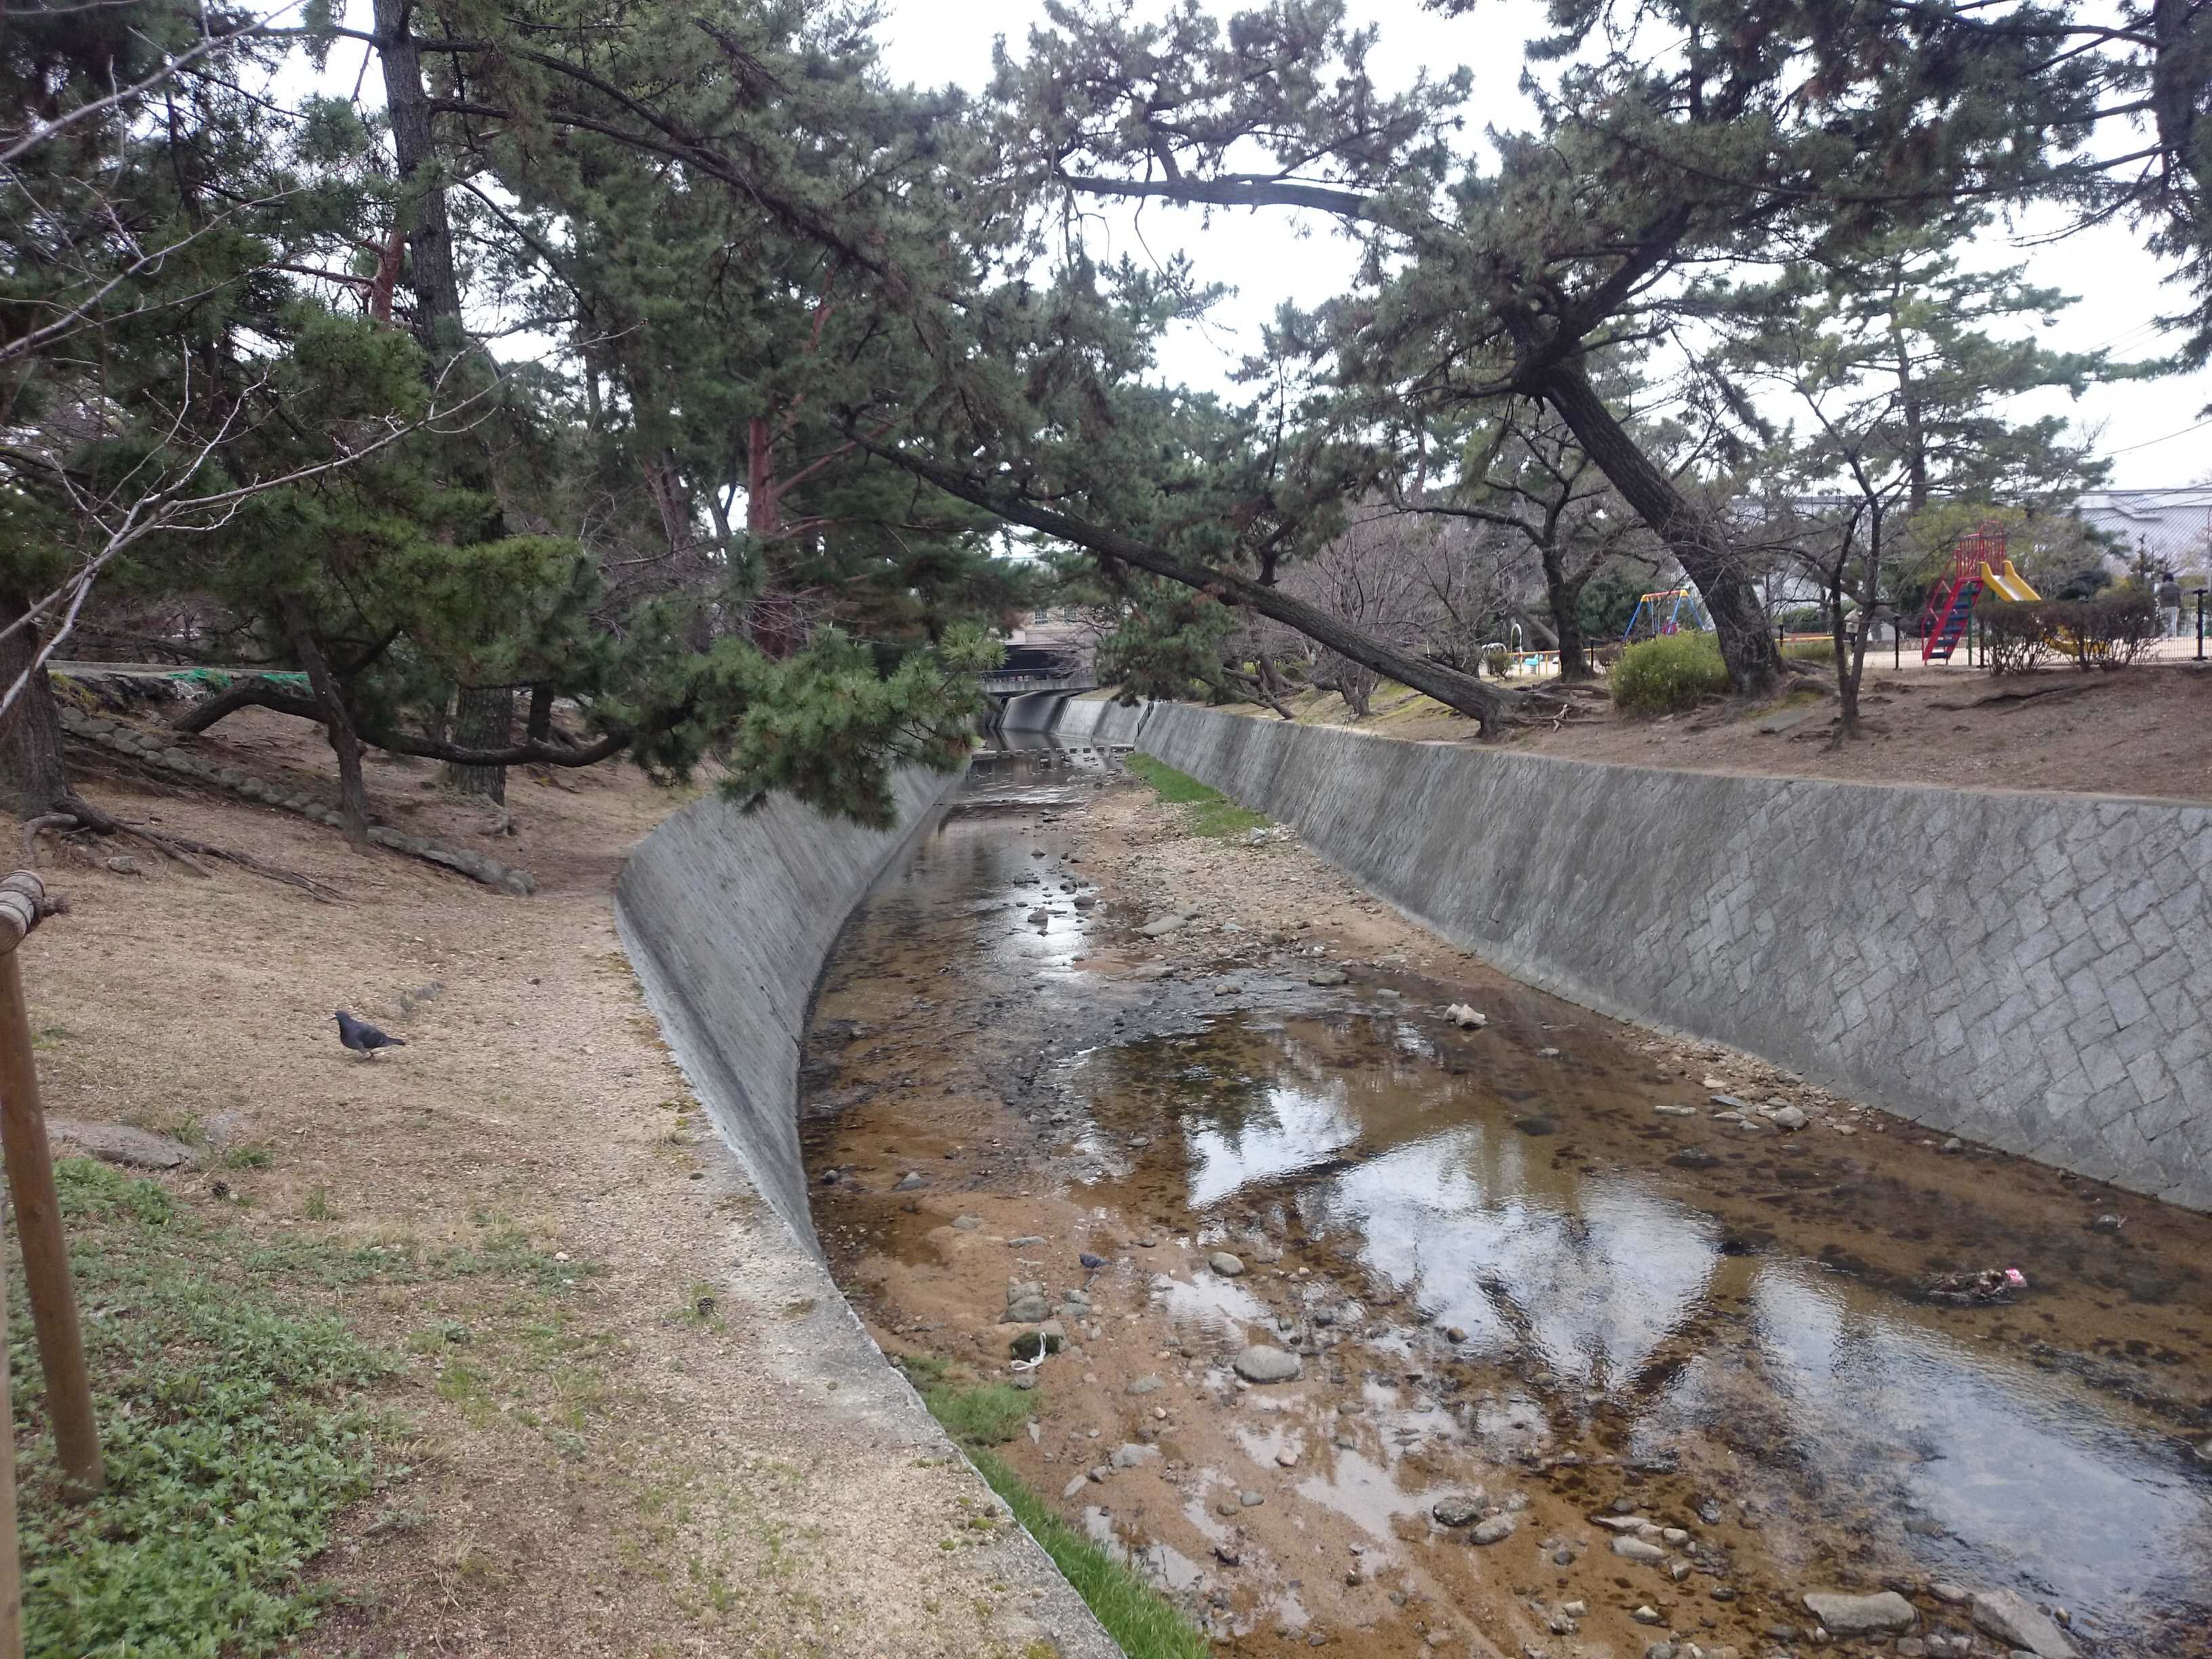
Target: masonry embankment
point(2029, 971)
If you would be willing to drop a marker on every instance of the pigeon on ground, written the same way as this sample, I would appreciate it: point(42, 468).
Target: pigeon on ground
point(1093, 1263)
point(363, 1038)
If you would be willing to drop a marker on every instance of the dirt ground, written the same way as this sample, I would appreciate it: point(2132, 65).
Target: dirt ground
point(1292, 1518)
point(2142, 730)
point(595, 1449)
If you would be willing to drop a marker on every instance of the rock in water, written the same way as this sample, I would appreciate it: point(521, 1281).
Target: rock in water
point(1261, 1364)
point(1326, 976)
point(1496, 1530)
point(2016, 1621)
point(1463, 1510)
point(1861, 1615)
point(1635, 1549)
point(1225, 1264)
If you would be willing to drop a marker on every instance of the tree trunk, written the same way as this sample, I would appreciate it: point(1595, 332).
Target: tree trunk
point(1847, 685)
point(540, 726)
point(430, 237)
point(486, 721)
point(32, 777)
point(1488, 709)
point(337, 721)
point(432, 274)
point(1564, 599)
point(1699, 546)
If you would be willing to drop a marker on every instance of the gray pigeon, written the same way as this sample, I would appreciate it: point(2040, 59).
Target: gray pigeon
point(363, 1038)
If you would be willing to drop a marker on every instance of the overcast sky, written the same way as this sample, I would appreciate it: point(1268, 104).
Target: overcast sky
point(1263, 255)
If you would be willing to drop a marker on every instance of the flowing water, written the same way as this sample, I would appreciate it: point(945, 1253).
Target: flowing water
point(1522, 1261)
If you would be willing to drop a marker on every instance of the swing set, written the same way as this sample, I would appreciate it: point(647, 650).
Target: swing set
point(1672, 612)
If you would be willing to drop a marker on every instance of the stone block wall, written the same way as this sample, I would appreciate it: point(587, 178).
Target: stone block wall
point(2030, 971)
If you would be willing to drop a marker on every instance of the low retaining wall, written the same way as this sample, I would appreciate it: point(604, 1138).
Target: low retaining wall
point(728, 917)
point(1100, 720)
point(2030, 971)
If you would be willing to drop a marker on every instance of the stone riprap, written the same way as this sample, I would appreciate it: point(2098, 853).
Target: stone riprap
point(728, 916)
point(2029, 971)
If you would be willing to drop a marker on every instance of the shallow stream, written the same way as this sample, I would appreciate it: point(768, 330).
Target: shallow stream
point(1525, 1268)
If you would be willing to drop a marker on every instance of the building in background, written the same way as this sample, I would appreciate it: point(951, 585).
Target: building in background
point(2167, 529)
point(1058, 642)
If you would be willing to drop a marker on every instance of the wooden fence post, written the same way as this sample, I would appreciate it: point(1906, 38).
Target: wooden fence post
point(23, 905)
point(11, 1554)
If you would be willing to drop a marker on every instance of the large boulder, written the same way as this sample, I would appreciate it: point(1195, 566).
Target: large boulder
point(1861, 1615)
point(1261, 1364)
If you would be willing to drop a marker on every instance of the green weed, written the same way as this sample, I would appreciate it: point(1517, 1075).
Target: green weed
point(1211, 813)
point(1145, 1625)
point(233, 1434)
point(985, 1414)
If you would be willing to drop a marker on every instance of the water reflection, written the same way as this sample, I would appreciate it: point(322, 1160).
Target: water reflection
point(1819, 1403)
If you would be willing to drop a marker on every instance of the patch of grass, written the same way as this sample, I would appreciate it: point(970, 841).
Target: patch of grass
point(699, 1305)
point(249, 1158)
point(1145, 1625)
point(980, 1414)
point(1211, 813)
point(1668, 675)
point(232, 1432)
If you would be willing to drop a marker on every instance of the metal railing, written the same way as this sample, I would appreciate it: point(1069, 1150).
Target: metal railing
point(1002, 683)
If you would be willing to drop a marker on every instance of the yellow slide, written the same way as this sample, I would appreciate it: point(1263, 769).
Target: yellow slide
point(2009, 586)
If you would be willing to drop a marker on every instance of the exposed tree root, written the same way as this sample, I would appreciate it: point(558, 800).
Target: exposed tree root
point(2017, 698)
point(82, 818)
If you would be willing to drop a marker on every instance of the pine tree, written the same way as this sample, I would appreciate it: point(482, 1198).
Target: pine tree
point(1889, 362)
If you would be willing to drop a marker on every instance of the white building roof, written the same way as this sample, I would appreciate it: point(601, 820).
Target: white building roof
point(2171, 524)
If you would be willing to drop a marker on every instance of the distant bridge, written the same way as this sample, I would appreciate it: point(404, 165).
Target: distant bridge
point(1017, 683)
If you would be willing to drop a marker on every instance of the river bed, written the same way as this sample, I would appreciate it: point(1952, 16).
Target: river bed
point(1560, 1282)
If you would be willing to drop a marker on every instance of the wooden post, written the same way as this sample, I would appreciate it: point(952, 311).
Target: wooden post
point(11, 1557)
point(23, 904)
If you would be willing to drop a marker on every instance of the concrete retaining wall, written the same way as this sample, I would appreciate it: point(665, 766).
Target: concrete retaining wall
point(1100, 720)
point(2030, 971)
point(728, 917)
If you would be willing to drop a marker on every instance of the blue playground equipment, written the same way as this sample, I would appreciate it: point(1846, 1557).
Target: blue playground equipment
point(1668, 612)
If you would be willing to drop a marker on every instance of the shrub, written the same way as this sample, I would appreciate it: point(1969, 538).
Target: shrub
point(1809, 650)
point(1667, 674)
point(2017, 634)
point(2108, 632)
point(1497, 664)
